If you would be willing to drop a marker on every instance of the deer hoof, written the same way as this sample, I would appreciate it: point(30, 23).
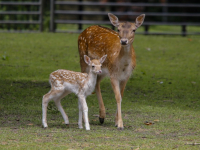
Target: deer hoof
point(120, 128)
point(101, 120)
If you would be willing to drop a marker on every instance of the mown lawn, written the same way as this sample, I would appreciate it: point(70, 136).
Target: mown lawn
point(164, 89)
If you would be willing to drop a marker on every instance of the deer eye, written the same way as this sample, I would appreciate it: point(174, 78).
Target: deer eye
point(133, 30)
point(92, 66)
point(117, 30)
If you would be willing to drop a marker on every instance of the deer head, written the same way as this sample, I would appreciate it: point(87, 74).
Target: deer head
point(126, 30)
point(95, 64)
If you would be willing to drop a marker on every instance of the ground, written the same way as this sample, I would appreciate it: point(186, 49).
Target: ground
point(163, 90)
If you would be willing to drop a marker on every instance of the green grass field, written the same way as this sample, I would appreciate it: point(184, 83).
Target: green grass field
point(164, 89)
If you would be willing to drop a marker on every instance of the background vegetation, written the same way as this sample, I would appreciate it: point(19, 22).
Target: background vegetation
point(164, 90)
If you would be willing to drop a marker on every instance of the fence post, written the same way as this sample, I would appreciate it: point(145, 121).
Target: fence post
point(52, 29)
point(41, 15)
point(184, 30)
point(146, 28)
point(80, 17)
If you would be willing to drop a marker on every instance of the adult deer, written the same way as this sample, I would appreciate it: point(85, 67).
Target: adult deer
point(96, 41)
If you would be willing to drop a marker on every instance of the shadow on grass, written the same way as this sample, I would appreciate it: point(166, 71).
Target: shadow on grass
point(20, 104)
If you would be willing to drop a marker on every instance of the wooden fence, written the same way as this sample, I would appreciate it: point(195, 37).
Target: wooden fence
point(162, 17)
point(39, 13)
point(165, 15)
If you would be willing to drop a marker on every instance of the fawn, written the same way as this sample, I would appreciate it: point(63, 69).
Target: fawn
point(96, 41)
point(64, 82)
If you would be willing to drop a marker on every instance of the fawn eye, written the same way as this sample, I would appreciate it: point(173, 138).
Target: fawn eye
point(92, 66)
point(117, 30)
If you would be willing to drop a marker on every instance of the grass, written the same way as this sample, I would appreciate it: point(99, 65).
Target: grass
point(164, 89)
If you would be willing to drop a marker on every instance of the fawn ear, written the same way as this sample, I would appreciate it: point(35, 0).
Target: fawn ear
point(113, 19)
point(102, 59)
point(87, 59)
point(139, 20)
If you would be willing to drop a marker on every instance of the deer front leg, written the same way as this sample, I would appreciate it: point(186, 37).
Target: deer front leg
point(122, 86)
point(116, 89)
point(80, 115)
point(85, 112)
point(102, 112)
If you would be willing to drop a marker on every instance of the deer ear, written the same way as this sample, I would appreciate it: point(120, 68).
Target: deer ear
point(102, 59)
point(139, 20)
point(87, 59)
point(113, 19)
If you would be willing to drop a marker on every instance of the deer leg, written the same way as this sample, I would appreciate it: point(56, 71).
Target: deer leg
point(102, 112)
point(45, 101)
point(122, 86)
point(116, 89)
point(60, 108)
point(85, 112)
point(80, 115)
point(53, 94)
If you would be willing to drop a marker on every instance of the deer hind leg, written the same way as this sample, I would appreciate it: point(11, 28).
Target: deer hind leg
point(46, 98)
point(60, 108)
point(102, 112)
point(116, 89)
point(52, 95)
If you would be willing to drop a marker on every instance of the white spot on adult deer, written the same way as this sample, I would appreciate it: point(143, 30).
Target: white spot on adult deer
point(120, 60)
point(64, 82)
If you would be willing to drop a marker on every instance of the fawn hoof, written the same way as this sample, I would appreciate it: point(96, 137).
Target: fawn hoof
point(87, 129)
point(101, 120)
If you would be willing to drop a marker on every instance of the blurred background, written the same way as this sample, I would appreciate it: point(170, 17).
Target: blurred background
point(162, 16)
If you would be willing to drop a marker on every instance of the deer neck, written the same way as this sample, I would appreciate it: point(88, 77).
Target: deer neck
point(125, 51)
point(91, 79)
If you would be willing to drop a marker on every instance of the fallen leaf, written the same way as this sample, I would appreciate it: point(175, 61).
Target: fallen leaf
point(156, 120)
point(189, 39)
point(148, 123)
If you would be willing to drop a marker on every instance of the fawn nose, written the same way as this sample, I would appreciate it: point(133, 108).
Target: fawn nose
point(124, 41)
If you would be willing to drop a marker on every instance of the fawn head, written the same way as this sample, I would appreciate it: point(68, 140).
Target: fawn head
point(126, 30)
point(95, 64)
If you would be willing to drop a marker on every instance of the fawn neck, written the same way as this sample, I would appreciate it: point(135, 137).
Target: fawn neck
point(91, 79)
point(92, 76)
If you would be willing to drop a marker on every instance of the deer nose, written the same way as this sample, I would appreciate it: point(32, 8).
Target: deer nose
point(124, 41)
point(100, 71)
